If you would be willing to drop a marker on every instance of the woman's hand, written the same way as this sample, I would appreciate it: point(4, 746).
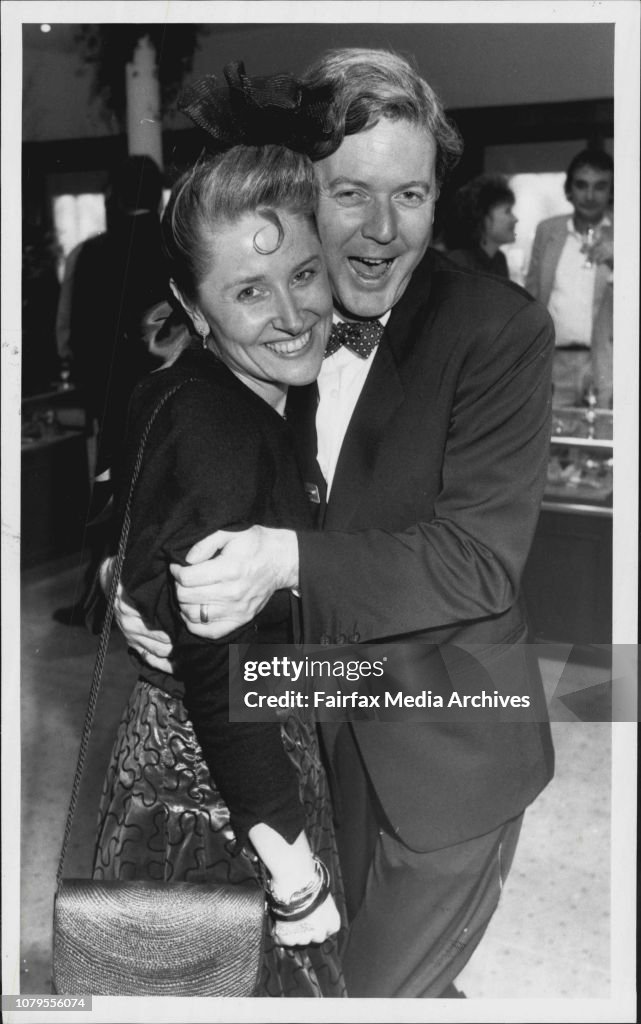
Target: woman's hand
point(318, 926)
point(105, 574)
point(153, 645)
point(294, 870)
point(603, 251)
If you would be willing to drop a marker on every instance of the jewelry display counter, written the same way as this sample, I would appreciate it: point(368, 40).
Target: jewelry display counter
point(568, 577)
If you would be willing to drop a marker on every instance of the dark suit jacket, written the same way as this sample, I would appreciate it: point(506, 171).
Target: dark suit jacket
point(431, 516)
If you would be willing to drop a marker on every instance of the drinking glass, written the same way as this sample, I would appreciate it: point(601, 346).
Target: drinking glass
point(590, 239)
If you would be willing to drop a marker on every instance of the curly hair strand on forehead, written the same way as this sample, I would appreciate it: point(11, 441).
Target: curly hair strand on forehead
point(370, 84)
point(221, 189)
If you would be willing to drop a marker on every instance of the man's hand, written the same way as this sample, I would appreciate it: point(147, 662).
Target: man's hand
point(154, 646)
point(603, 252)
point(231, 577)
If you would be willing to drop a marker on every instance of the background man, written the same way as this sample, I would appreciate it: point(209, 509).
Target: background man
point(429, 453)
point(111, 280)
point(570, 272)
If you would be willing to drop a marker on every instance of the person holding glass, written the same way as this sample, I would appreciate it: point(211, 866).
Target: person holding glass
point(190, 795)
point(570, 272)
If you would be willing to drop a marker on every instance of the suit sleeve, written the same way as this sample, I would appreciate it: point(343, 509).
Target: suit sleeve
point(204, 469)
point(465, 561)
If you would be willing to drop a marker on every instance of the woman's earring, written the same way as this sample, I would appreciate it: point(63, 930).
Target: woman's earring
point(204, 334)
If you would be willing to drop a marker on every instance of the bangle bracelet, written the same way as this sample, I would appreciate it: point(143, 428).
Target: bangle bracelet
point(299, 915)
point(302, 899)
point(299, 894)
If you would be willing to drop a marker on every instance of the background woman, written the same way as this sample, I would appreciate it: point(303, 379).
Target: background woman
point(482, 221)
point(190, 795)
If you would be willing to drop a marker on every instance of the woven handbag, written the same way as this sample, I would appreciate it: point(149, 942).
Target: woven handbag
point(144, 938)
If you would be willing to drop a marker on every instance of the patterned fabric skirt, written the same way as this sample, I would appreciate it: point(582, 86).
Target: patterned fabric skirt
point(161, 818)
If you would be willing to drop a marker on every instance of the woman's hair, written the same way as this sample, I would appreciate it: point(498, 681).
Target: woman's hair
point(472, 203)
point(221, 189)
point(370, 84)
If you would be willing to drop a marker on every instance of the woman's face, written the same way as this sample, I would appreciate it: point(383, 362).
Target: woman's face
point(499, 224)
point(269, 311)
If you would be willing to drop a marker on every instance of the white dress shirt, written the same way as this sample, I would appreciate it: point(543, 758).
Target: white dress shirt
point(340, 383)
point(571, 300)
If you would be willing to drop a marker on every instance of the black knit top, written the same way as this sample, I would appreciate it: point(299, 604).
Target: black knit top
point(217, 457)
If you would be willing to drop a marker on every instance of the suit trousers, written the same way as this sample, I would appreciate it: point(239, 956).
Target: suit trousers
point(415, 917)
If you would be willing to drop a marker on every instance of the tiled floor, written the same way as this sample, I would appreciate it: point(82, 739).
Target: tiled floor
point(551, 935)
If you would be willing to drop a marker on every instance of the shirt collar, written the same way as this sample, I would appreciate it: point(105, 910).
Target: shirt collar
point(605, 222)
point(337, 319)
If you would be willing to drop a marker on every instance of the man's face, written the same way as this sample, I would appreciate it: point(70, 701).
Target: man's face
point(375, 213)
point(590, 193)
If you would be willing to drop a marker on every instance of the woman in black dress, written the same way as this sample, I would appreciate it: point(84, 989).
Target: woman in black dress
point(189, 795)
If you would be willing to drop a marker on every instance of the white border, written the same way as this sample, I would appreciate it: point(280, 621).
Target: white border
point(625, 15)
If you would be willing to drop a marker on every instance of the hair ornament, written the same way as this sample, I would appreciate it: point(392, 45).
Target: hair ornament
point(269, 239)
point(276, 110)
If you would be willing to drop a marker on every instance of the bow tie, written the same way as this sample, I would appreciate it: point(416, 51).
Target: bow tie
point(360, 337)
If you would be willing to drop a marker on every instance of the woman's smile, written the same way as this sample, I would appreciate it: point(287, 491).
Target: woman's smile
point(291, 346)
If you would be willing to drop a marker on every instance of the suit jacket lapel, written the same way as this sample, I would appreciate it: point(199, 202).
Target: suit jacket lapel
point(301, 417)
point(601, 280)
point(552, 257)
point(382, 394)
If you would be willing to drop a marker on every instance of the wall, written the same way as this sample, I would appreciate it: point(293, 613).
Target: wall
point(469, 65)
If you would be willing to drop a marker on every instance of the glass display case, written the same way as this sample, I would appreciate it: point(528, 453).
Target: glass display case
point(581, 461)
point(568, 578)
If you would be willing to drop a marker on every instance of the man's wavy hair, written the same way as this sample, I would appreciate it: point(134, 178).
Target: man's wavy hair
point(219, 190)
point(371, 84)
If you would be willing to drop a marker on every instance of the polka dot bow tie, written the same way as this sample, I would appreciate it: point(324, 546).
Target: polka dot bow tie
point(360, 337)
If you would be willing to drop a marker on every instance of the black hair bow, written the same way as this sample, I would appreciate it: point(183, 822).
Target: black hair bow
point(248, 111)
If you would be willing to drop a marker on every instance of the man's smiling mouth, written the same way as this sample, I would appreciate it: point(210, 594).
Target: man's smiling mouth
point(371, 269)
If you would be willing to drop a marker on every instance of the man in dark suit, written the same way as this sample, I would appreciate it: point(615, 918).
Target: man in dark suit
point(431, 460)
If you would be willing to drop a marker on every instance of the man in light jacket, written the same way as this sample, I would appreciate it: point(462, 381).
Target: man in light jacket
point(570, 272)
